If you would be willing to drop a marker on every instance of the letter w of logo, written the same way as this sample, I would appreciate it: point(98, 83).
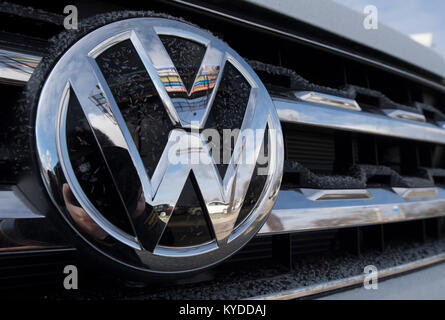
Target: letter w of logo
point(188, 111)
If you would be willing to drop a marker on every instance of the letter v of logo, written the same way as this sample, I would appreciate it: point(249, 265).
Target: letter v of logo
point(86, 109)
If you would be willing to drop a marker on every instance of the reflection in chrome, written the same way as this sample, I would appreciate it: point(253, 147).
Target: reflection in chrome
point(16, 67)
point(173, 83)
point(26, 234)
point(295, 111)
point(293, 211)
point(405, 115)
point(78, 76)
point(15, 205)
point(22, 227)
point(189, 109)
point(328, 99)
point(408, 193)
point(441, 124)
point(315, 194)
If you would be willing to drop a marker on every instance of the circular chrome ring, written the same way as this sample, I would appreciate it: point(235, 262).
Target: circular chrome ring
point(76, 73)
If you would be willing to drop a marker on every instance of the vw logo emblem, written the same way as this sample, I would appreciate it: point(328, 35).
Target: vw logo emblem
point(158, 144)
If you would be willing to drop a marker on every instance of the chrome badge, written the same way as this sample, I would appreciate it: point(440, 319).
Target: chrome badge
point(159, 145)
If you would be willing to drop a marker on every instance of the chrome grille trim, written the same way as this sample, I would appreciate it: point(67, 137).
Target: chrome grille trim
point(316, 114)
point(17, 67)
point(417, 193)
point(345, 194)
point(328, 99)
point(405, 115)
point(294, 211)
point(15, 206)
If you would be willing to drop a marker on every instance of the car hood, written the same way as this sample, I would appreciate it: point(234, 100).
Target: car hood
point(347, 23)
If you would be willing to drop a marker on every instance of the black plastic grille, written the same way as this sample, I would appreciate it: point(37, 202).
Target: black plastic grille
point(289, 249)
point(33, 268)
point(312, 149)
point(352, 160)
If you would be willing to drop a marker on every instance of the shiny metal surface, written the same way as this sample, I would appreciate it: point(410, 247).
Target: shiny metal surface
point(23, 227)
point(15, 205)
point(328, 99)
point(346, 194)
point(16, 67)
point(192, 105)
point(350, 281)
point(309, 113)
point(418, 193)
point(77, 76)
point(295, 210)
point(405, 115)
point(28, 234)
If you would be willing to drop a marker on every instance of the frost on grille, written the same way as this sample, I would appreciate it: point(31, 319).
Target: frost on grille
point(138, 101)
point(186, 55)
point(188, 224)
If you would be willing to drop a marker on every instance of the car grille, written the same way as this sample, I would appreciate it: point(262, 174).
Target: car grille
point(363, 146)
